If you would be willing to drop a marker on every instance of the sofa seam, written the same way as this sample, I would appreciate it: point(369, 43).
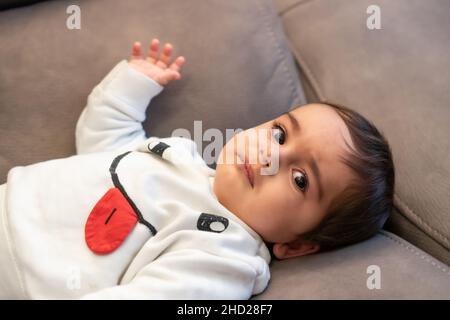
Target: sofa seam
point(300, 60)
point(423, 256)
point(294, 93)
point(404, 209)
point(309, 75)
point(293, 6)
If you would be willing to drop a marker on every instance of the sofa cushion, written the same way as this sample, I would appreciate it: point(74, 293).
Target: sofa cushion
point(238, 71)
point(397, 77)
point(353, 272)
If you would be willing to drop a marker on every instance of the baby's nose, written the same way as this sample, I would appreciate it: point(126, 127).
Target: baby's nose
point(269, 163)
point(264, 159)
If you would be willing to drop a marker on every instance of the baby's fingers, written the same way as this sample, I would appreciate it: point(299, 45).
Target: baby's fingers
point(136, 51)
point(170, 75)
point(164, 59)
point(178, 63)
point(153, 50)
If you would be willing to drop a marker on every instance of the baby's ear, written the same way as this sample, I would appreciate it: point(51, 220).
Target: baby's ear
point(294, 249)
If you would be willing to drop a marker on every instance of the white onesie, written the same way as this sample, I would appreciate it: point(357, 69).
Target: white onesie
point(185, 245)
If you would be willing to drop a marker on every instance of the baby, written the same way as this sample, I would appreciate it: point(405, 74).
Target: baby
point(131, 217)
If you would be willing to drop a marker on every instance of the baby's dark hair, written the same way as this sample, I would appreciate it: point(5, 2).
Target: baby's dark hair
point(361, 210)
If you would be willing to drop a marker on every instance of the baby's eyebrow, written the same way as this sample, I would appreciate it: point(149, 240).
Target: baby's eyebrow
point(293, 120)
point(316, 171)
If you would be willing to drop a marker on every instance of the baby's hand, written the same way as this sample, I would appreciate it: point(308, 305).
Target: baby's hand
point(156, 68)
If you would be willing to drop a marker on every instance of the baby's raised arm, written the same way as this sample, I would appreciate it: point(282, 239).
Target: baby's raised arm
point(115, 110)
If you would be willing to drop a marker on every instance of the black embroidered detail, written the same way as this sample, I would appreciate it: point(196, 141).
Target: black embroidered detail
point(110, 215)
point(159, 148)
point(118, 185)
point(205, 220)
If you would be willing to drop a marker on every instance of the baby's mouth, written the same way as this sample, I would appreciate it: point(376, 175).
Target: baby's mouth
point(247, 170)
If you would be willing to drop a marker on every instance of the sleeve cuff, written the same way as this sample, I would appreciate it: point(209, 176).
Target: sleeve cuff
point(132, 87)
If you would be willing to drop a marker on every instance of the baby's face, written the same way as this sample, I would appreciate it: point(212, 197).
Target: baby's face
point(287, 203)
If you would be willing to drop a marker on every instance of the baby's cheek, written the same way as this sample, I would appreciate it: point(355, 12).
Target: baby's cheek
point(311, 217)
point(274, 210)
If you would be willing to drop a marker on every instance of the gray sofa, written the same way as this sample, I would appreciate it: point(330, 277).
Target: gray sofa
point(247, 62)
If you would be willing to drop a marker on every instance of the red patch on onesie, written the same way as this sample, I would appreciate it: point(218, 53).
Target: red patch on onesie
point(110, 222)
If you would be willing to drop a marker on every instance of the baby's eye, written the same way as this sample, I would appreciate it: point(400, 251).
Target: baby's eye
point(279, 134)
point(301, 180)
